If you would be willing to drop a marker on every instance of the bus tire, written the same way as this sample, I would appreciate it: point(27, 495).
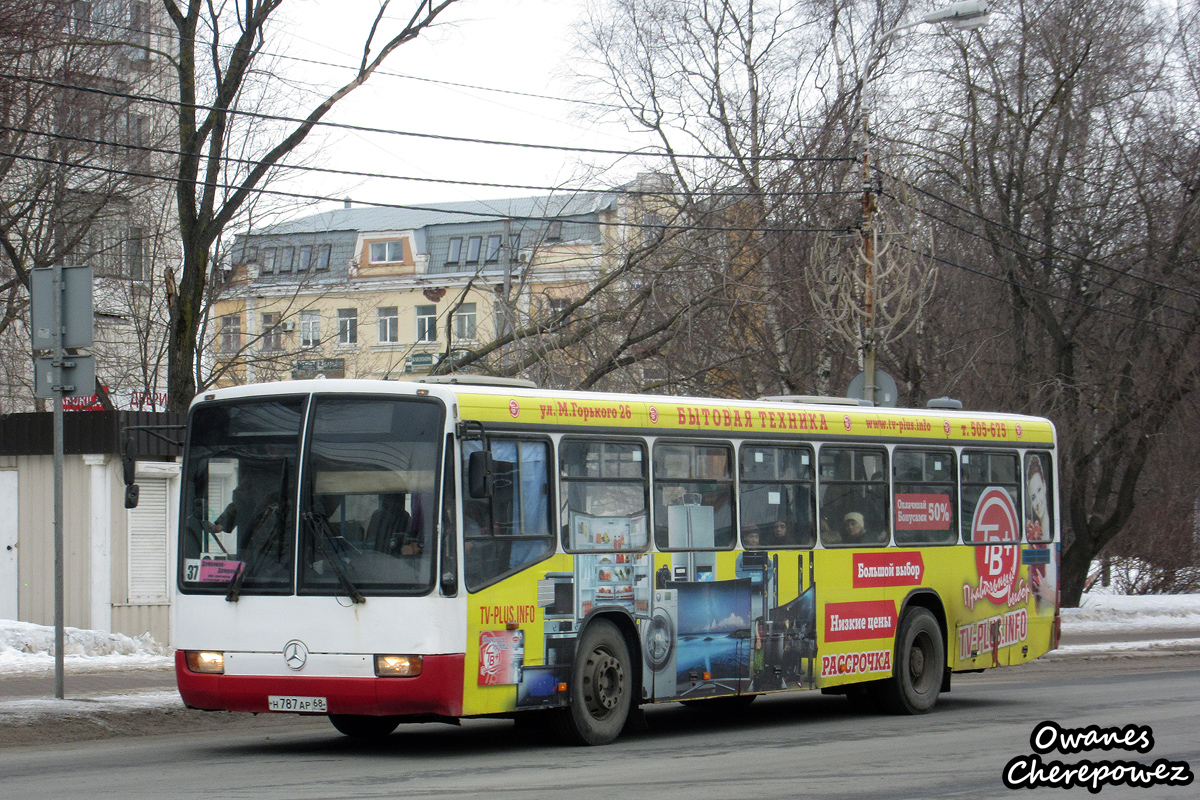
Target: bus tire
point(360, 726)
point(920, 662)
point(601, 692)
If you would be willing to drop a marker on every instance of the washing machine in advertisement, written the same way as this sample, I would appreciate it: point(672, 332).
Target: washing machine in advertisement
point(659, 644)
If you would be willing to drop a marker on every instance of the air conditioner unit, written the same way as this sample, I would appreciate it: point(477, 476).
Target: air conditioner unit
point(287, 326)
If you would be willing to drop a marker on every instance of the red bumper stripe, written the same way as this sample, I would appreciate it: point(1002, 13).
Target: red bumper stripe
point(437, 690)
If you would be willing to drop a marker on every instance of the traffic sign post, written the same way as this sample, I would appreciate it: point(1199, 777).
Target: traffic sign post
point(61, 317)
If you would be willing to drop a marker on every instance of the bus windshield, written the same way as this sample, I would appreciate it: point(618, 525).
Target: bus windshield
point(366, 490)
point(238, 497)
point(370, 498)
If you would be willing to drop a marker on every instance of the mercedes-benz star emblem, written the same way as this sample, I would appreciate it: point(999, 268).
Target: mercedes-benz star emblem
point(295, 654)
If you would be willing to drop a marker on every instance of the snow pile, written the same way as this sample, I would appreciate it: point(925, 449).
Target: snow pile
point(26, 647)
point(1101, 613)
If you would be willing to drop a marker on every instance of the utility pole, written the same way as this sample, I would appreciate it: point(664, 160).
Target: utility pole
point(963, 15)
point(869, 206)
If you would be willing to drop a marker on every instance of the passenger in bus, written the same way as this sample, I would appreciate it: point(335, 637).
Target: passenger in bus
point(751, 537)
point(853, 530)
point(391, 529)
point(781, 535)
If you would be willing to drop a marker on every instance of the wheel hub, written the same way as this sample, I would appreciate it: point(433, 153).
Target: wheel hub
point(605, 684)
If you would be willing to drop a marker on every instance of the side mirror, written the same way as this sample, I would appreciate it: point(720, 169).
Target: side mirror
point(481, 468)
point(129, 460)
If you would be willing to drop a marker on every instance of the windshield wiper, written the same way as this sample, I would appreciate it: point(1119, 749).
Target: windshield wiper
point(325, 543)
point(274, 514)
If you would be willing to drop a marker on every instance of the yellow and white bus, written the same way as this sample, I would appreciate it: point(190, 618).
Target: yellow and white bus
point(382, 552)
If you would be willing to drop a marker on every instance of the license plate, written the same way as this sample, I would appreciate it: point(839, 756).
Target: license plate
point(281, 703)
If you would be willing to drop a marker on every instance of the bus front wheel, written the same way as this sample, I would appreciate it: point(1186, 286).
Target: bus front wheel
point(601, 687)
point(359, 726)
point(920, 663)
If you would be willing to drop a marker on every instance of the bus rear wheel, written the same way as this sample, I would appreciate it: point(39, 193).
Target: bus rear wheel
point(359, 726)
point(920, 664)
point(601, 692)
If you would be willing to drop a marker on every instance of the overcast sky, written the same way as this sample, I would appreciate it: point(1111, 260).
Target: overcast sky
point(515, 45)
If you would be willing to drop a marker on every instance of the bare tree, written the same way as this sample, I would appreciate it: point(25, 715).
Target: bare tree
point(1070, 178)
point(220, 49)
point(76, 177)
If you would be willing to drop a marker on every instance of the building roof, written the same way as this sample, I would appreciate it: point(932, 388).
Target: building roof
point(374, 218)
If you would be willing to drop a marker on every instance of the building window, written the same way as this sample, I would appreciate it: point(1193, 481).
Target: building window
point(389, 325)
point(231, 333)
point(514, 245)
point(493, 249)
point(554, 231)
point(464, 322)
point(286, 256)
point(555, 306)
point(323, 253)
point(139, 30)
point(81, 15)
point(473, 246)
point(135, 136)
point(347, 326)
point(310, 328)
point(268, 261)
point(272, 334)
point(304, 260)
point(426, 323)
point(455, 254)
point(387, 252)
point(249, 254)
point(653, 229)
point(135, 253)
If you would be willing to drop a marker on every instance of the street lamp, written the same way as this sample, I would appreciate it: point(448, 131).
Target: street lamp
point(964, 16)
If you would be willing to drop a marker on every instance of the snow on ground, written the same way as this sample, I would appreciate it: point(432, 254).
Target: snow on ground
point(26, 648)
point(1102, 613)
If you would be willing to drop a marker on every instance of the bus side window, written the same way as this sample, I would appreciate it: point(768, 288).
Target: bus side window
point(512, 528)
point(777, 501)
point(604, 494)
point(854, 504)
point(924, 496)
point(983, 471)
point(693, 497)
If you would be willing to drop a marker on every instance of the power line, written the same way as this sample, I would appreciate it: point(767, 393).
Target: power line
point(405, 207)
point(226, 159)
point(382, 72)
point(415, 134)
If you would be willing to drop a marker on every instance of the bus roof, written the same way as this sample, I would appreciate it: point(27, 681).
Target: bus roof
point(513, 406)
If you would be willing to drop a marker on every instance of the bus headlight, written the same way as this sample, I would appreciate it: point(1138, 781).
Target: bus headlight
point(397, 666)
point(205, 661)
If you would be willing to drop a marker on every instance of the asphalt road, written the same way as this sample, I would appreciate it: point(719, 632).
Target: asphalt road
point(808, 746)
